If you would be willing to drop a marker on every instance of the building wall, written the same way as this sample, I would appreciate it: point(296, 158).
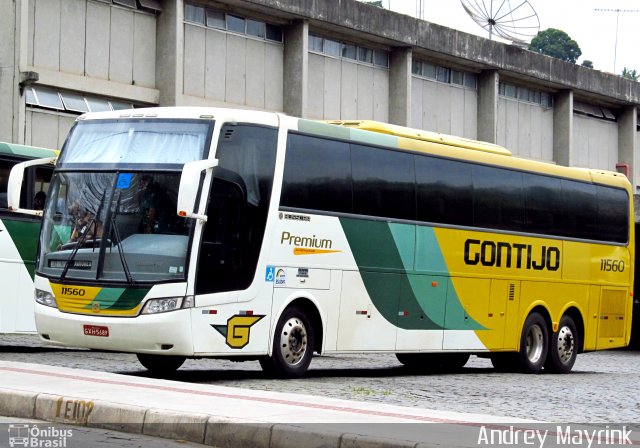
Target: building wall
point(595, 142)
point(444, 108)
point(525, 129)
point(225, 68)
point(93, 39)
point(103, 50)
point(346, 90)
point(47, 129)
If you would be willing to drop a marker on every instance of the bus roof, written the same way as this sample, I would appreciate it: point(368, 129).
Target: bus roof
point(26, 151)
point(416, 134)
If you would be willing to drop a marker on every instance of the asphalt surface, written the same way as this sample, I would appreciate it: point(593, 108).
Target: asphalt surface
point(603, 387)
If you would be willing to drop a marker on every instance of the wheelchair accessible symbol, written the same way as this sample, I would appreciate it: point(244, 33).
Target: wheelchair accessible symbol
point(271, 273)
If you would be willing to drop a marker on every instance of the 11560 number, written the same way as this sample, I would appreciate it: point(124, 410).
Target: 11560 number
point(609, 265)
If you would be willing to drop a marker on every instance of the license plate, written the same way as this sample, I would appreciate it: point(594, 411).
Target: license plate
point(96, 330)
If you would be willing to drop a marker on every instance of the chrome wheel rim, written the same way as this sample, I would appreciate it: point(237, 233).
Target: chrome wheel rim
point(566, 345)
point(535, 343)
point(293, 341)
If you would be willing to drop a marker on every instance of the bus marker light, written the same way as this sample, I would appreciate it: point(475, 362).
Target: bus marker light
point(362, 313)
point(182, 213)
point(555, 327)
point(403, 313)
point(209, 311)
point(434, 284)
point(246, 312)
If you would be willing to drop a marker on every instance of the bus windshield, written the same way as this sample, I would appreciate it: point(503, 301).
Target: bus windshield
point(168, 144)
point(117, 222)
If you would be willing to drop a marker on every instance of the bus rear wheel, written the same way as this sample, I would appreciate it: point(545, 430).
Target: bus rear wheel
point(161, 364)
point(534, 344)
point(563, 349)
point(293, 344)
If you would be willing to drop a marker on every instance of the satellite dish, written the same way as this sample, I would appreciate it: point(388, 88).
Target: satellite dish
point(514, 20)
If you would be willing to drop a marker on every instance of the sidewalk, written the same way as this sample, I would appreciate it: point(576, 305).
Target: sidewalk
point(223, 416)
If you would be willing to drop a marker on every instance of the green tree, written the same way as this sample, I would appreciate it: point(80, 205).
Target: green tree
point(557, 44)
point(587, 63)
point(630, 74)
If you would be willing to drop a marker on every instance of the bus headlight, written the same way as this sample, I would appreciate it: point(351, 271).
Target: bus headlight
point(45, 298)
point(155, 306)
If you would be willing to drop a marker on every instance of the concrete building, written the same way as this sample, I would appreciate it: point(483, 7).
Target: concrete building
point(325, 59)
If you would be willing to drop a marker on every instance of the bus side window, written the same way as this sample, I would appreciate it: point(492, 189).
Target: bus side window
point(5, 169)
point(222, 252)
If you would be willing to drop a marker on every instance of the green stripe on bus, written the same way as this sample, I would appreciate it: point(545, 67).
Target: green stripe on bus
point(25, 151)
point(384, 253)
point(25, 236)
point(129, 298)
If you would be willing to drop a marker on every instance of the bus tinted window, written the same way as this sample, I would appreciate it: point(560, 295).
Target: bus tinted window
point(543, 205)
point(317, 174)
point(498, 201)
point(383, 183)
point(580, 210)
point(613, 214)
point(444, 191)
point(333, 176)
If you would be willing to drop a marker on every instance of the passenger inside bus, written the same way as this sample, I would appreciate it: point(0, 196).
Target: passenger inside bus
point(85, 224)
point(155, 207)
point(38, 200)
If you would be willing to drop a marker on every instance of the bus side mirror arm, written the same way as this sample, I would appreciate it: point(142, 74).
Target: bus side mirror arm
point(189, 184)
point(14, 186)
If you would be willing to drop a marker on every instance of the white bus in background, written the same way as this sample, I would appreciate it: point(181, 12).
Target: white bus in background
point(19, 236)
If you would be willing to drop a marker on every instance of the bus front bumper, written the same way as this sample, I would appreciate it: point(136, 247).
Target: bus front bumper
point(163, 333)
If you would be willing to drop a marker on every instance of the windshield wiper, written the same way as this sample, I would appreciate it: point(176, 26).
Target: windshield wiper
point(116, 234)
point(84, 233)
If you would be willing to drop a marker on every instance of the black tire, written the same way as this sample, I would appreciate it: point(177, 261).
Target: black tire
point(534, 344)
point(293, 344)
point(161, 364)
point(564, 346)
point(449, 362)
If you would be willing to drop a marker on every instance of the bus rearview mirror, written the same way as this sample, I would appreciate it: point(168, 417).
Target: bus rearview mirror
point(14, 185)
point(189, 184)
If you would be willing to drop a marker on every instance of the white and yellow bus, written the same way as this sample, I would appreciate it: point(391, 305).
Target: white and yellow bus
point(201, 232)
point(19, 235)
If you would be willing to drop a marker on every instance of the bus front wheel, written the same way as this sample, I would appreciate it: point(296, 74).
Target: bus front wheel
point(563, 348)
point(293, 344)
point(161, 364)
point(534, 344)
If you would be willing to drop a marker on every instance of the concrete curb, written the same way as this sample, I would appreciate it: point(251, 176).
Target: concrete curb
point(205, 429)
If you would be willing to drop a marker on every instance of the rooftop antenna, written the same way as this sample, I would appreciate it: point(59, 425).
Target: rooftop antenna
point(514, 20)
point(617, 11)
point(420, 9)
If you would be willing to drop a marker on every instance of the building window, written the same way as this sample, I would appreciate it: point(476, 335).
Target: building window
point(194, 14)
point(348, 50)
point(232, 22)
point(525, 94)
point(594, 111)
point(152, 6)
point(215, 19)
point(43, 97)
point(365, 55)
point(444, 74)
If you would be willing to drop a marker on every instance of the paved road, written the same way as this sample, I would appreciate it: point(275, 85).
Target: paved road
point(604, 386)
